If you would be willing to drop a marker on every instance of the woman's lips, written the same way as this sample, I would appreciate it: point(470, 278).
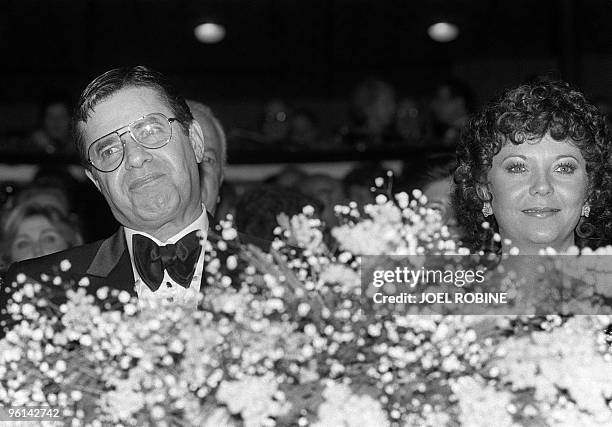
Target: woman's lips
point(541, 212)
point(143, 180)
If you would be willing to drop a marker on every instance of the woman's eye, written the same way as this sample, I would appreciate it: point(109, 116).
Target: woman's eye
point(49, 238)
point(516, 168)
point(22, 244)
point(566, 168)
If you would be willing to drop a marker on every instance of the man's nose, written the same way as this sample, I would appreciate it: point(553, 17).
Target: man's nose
point(135, 154)
point(541, 184)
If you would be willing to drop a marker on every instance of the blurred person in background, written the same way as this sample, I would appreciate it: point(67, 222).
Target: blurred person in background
point(289, 177)
point(31, 230)
point(275, 125)
point(52, 185)
point(409, 121)
point(359, 183)
point(451, 106)
point(433, 175)
point(329, 191)
point(54, 136)
point(258, 208)
point(373, 108)
point(228, 198)
point(304, 127)
point(212, 166)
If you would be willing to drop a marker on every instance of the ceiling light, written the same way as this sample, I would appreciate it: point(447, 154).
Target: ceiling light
point(209, 32)
point(443, 32)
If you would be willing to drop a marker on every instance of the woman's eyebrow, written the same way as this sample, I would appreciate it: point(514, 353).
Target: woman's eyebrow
point(561, 156)
point(514, 155)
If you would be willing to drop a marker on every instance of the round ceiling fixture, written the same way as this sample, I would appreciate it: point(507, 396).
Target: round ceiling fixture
point(209, 32)
point(443, 32)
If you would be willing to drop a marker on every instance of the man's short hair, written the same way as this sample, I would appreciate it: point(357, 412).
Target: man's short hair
point(107, 84)
point(206, 111)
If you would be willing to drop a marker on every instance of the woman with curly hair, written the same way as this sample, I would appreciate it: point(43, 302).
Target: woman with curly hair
point(534, 171)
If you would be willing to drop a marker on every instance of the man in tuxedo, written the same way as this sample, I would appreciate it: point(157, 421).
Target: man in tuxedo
point(215, 154)
point(141, 147)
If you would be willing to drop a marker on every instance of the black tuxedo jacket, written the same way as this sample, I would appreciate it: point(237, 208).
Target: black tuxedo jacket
point(105, 263)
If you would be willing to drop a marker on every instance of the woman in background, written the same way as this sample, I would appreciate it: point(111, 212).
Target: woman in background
point(534, 167)
point(31, 230)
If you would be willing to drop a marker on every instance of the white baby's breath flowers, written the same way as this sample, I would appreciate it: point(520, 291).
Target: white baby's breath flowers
point(65, 265)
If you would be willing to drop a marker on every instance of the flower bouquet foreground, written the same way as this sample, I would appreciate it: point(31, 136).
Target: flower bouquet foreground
point(281, 339)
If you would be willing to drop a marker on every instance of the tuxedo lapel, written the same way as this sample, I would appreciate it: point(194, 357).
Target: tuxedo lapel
point(112, 263)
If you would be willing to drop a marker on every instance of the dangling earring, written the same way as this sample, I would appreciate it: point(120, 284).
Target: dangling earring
point(586, 211)
point(487, 210)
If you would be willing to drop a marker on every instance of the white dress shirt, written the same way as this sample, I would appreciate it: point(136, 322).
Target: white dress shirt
point(169, 291)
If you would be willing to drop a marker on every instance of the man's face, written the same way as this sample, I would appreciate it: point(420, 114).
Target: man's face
point(153, 190)
point(212, 166)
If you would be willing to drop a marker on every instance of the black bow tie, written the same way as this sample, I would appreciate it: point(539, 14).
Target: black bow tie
point(178, 259)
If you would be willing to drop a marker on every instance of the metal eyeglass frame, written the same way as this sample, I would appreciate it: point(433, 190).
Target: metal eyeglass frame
point(129, 129)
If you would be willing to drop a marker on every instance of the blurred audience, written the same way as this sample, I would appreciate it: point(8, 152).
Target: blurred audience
point(289, 177)
point(228, 197)
point(451, 105)
point(48, 189)
point(54, 136)
point(258, 208)
point(436, 182)
point(359, 183)
point(31, 230)
point(275, 125)
point(372, 111)
point(327, 190)
point(215, 154)
point(304, 127)
point(409, 121)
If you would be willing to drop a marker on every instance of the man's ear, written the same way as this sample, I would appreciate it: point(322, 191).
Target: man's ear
point(196, 138)
point(92, 178)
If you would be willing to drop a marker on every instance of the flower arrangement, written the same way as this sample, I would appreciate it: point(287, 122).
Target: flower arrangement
point(280, 339)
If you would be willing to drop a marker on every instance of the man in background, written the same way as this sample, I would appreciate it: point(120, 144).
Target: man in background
point(215, 154)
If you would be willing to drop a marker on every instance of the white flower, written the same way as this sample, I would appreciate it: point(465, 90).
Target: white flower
point(229, 234)
point(21, 278)
point(65, 265)
point(232, 262)
point(124, 297)
point(254, 398)
point(84, 282)
point(343, 408)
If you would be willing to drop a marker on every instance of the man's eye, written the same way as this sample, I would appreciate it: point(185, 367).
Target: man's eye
point(108, 151)
point(209, 159)
point(516, 168)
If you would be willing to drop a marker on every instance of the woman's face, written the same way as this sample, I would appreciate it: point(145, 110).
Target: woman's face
point(438, 195)
point(538, 190)
point(35, 237)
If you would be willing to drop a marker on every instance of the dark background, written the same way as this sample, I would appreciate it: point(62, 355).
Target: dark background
point(308, 52)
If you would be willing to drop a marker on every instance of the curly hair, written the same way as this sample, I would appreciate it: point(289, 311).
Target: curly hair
point(529, 112)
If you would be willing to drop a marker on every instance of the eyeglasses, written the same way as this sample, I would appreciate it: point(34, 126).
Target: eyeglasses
point(151, 131)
